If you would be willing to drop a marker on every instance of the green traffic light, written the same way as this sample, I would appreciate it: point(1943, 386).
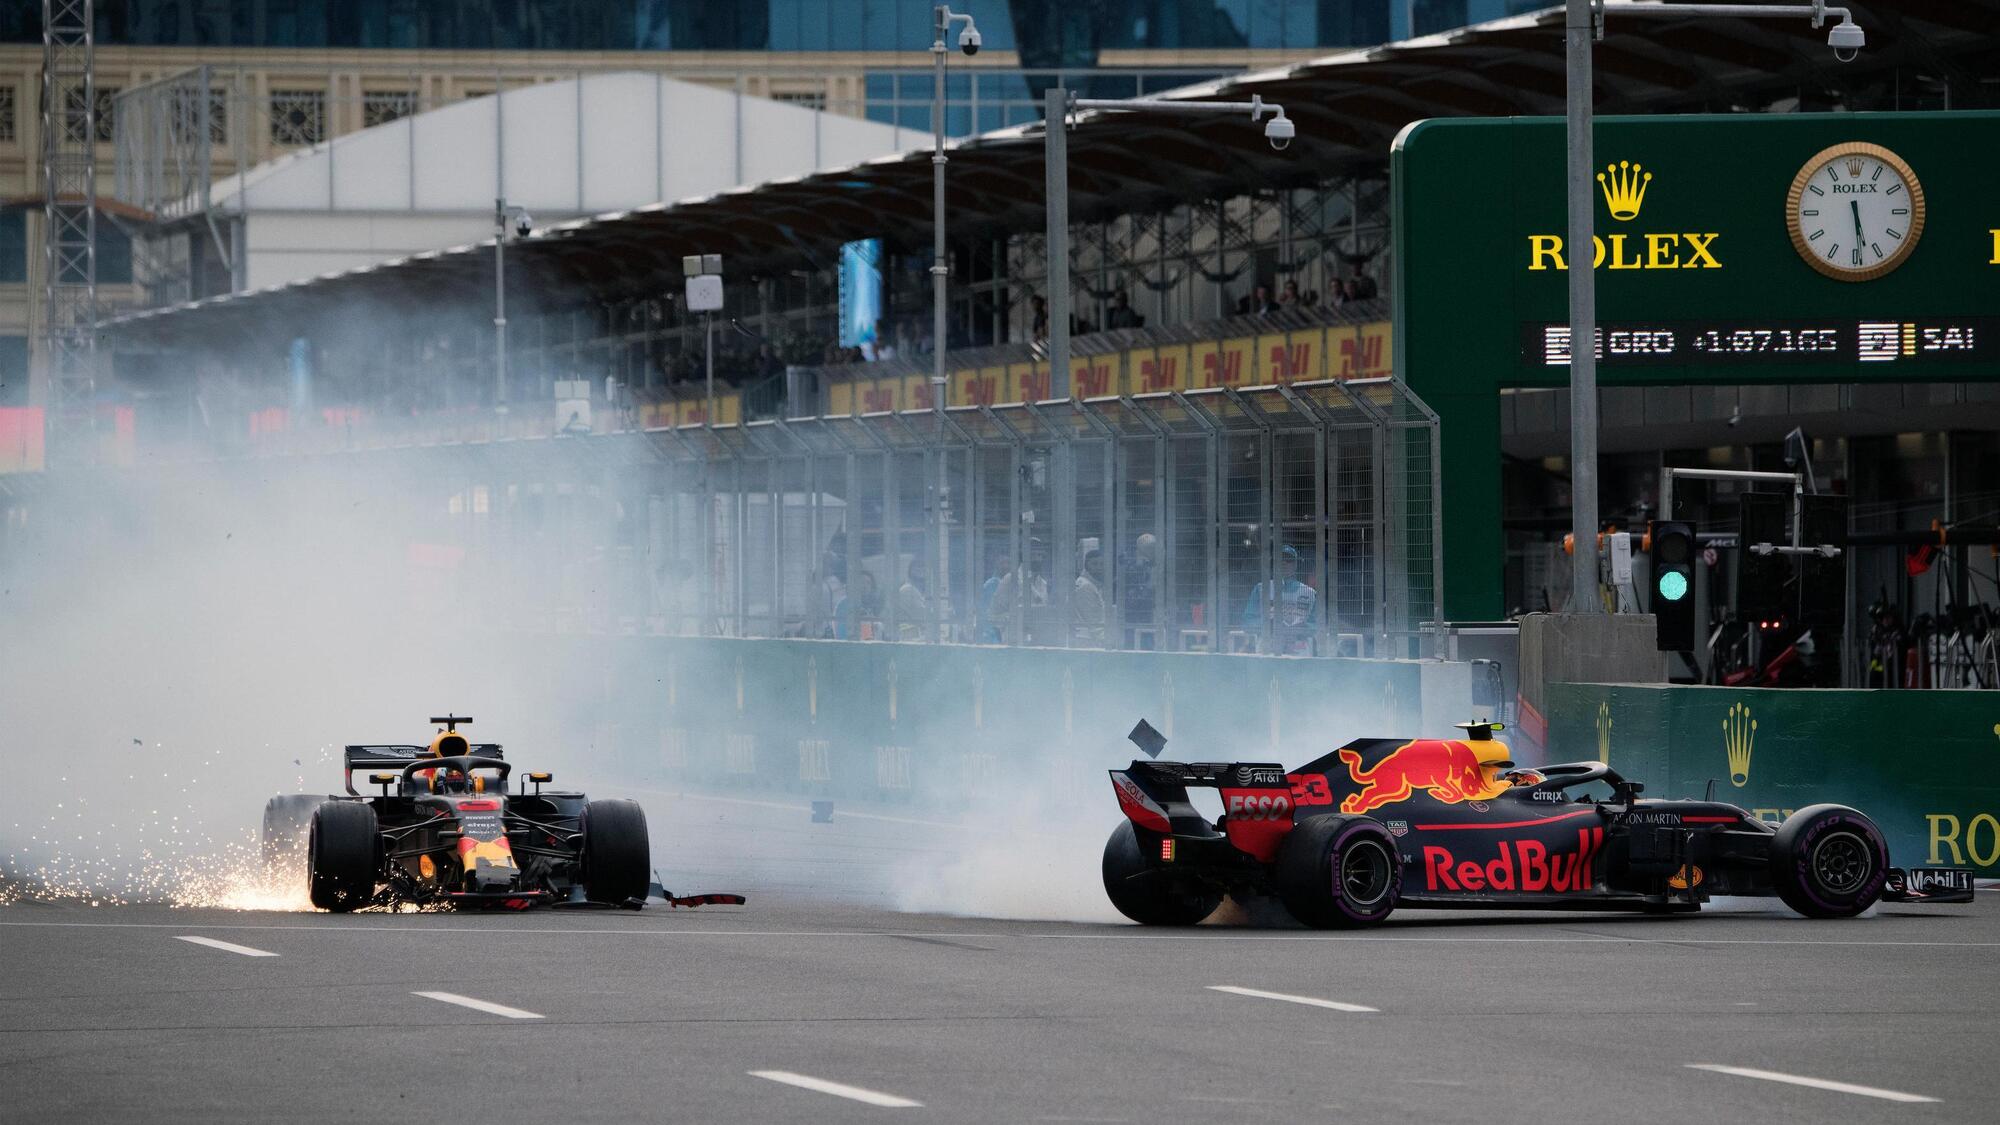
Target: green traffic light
point(1673, 585)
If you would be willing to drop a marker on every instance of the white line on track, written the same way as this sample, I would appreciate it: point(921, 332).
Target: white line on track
point(479, 1005)
point(422, 926)
point(1815, 1083)
point(838, 1090)
point(227, 947)
point(1291, 999)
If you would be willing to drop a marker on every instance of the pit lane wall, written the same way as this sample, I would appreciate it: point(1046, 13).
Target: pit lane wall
point(1924, 764)
point(931, 725)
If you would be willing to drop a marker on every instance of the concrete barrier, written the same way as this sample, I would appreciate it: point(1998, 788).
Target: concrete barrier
point(1924, 764)
point(927, 724)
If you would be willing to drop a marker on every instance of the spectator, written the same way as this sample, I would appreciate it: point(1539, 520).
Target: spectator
point(1337, 293)
point(1297, 608)
point(913, 605)
point(1140, 581)
point(768, 363)
point(1040, 308)
point(1362, 287)
point(1087, 603)
point(1261, 303)
point(1121, 314)
point(1025, 588)
point(1311, 299)
point(859, 611)
point(1289, 295)
point(986, 630)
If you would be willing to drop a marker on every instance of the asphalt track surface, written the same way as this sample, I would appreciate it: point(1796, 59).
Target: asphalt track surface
point(799, 1009)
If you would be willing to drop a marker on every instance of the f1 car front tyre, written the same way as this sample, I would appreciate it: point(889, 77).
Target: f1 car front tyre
point(617, 853)
point(1829, 861)
point(1337, 872)
point(341, 856)
point(1146, 894)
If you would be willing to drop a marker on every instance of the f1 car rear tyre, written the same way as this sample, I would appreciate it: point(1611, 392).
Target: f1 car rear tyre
point(1146, 894)
point(1829, 861)
point(1337, 872)
point(287, 817)
point(341, 856)
point(617, 853)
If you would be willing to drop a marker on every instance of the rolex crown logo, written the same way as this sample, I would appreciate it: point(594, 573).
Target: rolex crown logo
point(1624, 185)
point(1854, 167)
point(1739, 736)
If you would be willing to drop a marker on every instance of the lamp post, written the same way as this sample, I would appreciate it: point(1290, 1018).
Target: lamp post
point(1583, 21)
point(523, 224)
point(942, 17)
point(1059, 103)
point(704, 295)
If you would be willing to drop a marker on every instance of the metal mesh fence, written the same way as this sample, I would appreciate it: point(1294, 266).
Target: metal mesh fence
point(1296, 520)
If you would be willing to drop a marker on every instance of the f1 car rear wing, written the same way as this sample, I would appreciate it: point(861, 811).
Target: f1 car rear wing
point(396, 756)
point(1153, 795)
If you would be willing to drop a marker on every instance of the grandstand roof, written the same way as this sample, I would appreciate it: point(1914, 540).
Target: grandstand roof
point(1348, 108)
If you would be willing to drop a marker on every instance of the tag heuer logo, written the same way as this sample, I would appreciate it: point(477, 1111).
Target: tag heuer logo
point(1399, 828)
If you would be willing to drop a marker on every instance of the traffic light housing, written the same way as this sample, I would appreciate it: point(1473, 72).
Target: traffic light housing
point(1673, 585)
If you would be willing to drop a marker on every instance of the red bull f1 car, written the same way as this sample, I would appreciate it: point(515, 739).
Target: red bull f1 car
point(445, 830)
point(1450, 823)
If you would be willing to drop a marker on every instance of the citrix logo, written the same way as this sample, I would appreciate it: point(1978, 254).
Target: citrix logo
point(1739, 737)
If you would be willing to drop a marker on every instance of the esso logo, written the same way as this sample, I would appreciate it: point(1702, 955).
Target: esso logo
point(1275, 806)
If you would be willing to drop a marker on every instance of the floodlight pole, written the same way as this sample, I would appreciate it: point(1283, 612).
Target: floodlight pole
point(1583, 21)
point(500, 304)
point(942, 17)
point(1579, 25)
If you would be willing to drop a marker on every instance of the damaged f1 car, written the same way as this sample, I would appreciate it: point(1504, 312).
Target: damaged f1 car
point(445, 830)
point(1451, 823)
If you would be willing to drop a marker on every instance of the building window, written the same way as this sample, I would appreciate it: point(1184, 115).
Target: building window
point(7, 114)
point(384, 106)
point(814, 99)
point(14, 245)
point(218, 115)
point(73, 120)
point(298, 117)
point(114, 253)
point(13, 371)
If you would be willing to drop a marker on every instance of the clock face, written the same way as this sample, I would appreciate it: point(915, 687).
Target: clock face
point(1855, 211)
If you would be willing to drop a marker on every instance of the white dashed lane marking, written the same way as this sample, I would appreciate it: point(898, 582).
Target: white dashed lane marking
point(1288, 998)
point(837, 1089)
point(1815, 1083)
point(227, 947)
point(479, 1005)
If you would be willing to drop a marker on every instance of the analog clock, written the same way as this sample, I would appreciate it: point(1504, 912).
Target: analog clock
point(1855, 211)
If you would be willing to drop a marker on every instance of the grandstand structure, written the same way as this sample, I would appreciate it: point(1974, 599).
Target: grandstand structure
point(1219, 408)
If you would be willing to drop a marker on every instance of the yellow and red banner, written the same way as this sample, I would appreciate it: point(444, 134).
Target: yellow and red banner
point(22, 438)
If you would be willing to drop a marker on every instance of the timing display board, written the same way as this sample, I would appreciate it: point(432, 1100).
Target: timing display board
point(1740, 248)
point(1931, 346)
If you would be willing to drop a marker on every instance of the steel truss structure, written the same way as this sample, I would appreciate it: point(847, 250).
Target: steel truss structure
point(68, 328)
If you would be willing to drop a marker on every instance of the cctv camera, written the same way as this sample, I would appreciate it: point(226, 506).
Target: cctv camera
point(523, 225)
point(1279, 132)
point(1846, 38)
point(968, 41)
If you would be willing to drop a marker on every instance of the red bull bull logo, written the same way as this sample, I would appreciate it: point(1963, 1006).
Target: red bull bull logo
point(1523, 865)
point(1451, 771)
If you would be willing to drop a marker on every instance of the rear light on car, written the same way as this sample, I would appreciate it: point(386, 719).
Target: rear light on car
point(1166, 851)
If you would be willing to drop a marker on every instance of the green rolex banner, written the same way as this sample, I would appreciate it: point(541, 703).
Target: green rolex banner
point(1925, 765)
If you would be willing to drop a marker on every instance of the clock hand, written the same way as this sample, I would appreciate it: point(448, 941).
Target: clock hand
point(1856, 204)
